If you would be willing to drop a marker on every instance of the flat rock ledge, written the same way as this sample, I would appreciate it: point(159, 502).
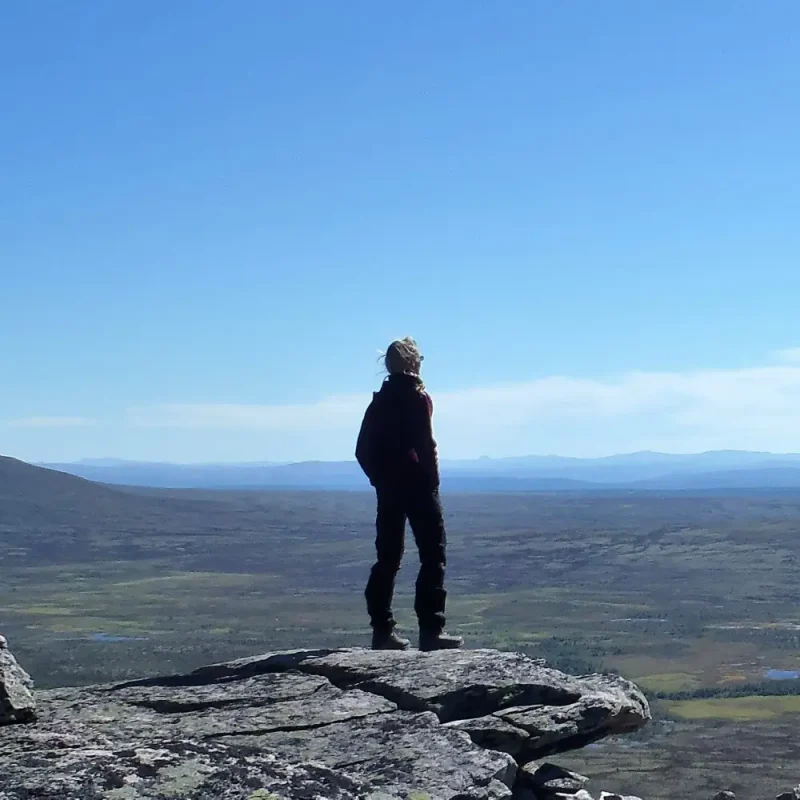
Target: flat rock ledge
point(319, 725)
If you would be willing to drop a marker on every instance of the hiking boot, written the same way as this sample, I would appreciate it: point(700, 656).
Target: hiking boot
point(439, 640)
point(389, 640)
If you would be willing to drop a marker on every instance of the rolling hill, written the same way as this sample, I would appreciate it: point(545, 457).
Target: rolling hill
point(47, 515)
point(31, 493)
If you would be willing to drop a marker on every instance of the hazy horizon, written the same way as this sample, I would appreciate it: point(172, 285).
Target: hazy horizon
point(111, 460)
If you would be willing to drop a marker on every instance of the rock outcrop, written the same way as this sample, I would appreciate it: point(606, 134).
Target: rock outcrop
point(16, 689)
point(338, 724)
point(793, 795)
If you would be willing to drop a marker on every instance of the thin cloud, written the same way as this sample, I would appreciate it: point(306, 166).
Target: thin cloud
point(51, 422)
point(750, 408)
point(753, 400)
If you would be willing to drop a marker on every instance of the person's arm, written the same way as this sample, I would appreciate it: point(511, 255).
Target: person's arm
point(363, 449)
point(422, 434)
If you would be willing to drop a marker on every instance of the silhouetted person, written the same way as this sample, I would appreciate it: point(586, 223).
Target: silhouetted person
point(398, 454)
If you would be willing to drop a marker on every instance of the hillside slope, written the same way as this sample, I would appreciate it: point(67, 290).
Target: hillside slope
point(48, 516)
point(29, 493)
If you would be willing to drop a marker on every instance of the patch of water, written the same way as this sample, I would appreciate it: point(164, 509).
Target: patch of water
point(111, 637)
point(742, 626)
point(781, 675)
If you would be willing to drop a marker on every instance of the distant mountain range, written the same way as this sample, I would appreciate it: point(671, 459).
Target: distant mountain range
point(720, 469)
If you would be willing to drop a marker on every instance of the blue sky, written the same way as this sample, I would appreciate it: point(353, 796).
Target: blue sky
point(213, 215)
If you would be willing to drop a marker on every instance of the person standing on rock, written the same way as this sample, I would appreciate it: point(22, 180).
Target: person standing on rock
point(397, 452)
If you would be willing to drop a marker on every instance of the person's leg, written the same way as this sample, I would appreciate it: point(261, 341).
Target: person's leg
point(390, 526)
point(427, 522)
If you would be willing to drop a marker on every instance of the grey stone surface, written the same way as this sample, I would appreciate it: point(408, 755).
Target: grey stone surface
point(581, 794)
point(16, 689)
point(612, 796)
point(312, 724)
point(549, 779)
point(601, 706)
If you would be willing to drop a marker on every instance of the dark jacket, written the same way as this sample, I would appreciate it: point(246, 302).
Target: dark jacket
point(395, 443)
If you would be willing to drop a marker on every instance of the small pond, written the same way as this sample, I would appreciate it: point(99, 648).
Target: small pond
point(111, 637)
point(781, 675)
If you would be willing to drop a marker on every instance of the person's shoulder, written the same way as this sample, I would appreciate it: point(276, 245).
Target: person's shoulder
point(426, 399)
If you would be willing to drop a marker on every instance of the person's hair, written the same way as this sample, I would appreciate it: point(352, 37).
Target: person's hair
point(403, 358)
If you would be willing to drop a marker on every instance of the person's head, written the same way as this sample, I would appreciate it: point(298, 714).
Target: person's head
point(403, 357)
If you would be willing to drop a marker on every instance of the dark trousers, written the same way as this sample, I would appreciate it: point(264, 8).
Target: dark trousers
point(423, 510)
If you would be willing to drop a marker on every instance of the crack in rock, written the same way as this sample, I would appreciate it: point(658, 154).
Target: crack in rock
point(311, 726)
